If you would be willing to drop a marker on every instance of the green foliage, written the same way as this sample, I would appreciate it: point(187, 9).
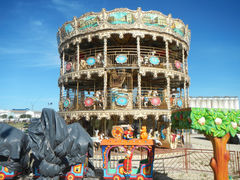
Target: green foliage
point(25, 116)
point(213, 122)
point(4, 116)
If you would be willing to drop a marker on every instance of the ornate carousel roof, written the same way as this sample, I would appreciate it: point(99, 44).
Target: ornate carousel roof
point(123, 21)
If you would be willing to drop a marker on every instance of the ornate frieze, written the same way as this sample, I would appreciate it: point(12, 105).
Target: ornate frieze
point(100, 114)
point(122, 21)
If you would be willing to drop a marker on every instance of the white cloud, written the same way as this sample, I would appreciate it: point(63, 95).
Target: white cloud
point(67, 6)
point(37, 23)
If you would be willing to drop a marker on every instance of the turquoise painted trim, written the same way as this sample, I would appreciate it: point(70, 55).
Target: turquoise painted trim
point(68, 28)
point(154, 60)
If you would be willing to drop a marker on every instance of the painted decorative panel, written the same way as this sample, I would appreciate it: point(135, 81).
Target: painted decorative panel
point(88, 102)
point(121, 100)
point(179, 102)
point(155, 20)
point(121, 18)
point(178, 64)
point(154, 60)
point(179, 28)
point(91, 61)
point(120, 59)
point(68, 28)
point(66, 103)
point(88, 22)
point(69, 66)
point(155, 101)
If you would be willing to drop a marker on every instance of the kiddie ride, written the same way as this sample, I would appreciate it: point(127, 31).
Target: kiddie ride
point(124, 168)
point(6, 174)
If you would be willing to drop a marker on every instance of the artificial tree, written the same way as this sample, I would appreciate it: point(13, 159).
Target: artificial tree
point(217, 125)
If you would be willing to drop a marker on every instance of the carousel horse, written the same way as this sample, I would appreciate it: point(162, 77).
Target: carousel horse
point(83, 64)
point(150, 134)
point(145, 60)
point(98, 98)
point(99, 58)
point(155, 93)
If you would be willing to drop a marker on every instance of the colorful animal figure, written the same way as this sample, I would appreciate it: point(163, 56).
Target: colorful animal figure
point(143, 133)
point(128, 134)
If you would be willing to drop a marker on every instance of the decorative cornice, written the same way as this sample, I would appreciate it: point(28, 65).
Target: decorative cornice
point(100, 114)
point(78, 74)
point(72, 31)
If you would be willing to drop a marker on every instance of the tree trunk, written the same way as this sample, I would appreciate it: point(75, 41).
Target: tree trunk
point(219, 162)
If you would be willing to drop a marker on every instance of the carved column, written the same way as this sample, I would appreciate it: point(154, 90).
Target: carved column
point(63, 63)
point(78, 61)
point(139, 91)
point(138, 51)
point(105, 90)
point(168, 93)
point(105, 51)
point(186, 65)
point(185, 94)
point(167, 53)
point(183, 61)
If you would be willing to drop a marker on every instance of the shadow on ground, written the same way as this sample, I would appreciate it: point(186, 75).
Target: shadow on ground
point(162, 176)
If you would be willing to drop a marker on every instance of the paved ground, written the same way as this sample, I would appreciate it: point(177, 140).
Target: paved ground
point(199, 141)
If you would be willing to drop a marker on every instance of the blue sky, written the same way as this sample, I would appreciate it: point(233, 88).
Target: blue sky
point(30, 62)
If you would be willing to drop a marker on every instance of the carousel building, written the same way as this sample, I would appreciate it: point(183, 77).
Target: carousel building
point(123, 67)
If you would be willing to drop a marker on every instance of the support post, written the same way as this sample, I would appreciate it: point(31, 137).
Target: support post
point(105, 90)
point(185, 94)
point(183, 61)
point(167, 53)
point(63, 63)
point(78, 58)
point(139, 92)
point(105, 51)
point(138, 51)
point(186, 65)
point(168, 93)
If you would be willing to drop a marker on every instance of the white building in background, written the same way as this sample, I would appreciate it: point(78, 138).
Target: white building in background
point(16, 114)
point(223, 102)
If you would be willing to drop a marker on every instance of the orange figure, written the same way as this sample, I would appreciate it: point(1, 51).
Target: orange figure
point(143, 133)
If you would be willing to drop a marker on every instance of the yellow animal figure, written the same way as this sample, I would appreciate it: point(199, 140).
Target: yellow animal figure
point(143, 133)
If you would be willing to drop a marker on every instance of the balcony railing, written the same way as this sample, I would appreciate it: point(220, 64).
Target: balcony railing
point(122, 56)
point(119, 99)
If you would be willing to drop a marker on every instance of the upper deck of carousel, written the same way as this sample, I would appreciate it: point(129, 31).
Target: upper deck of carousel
point(123, 21)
